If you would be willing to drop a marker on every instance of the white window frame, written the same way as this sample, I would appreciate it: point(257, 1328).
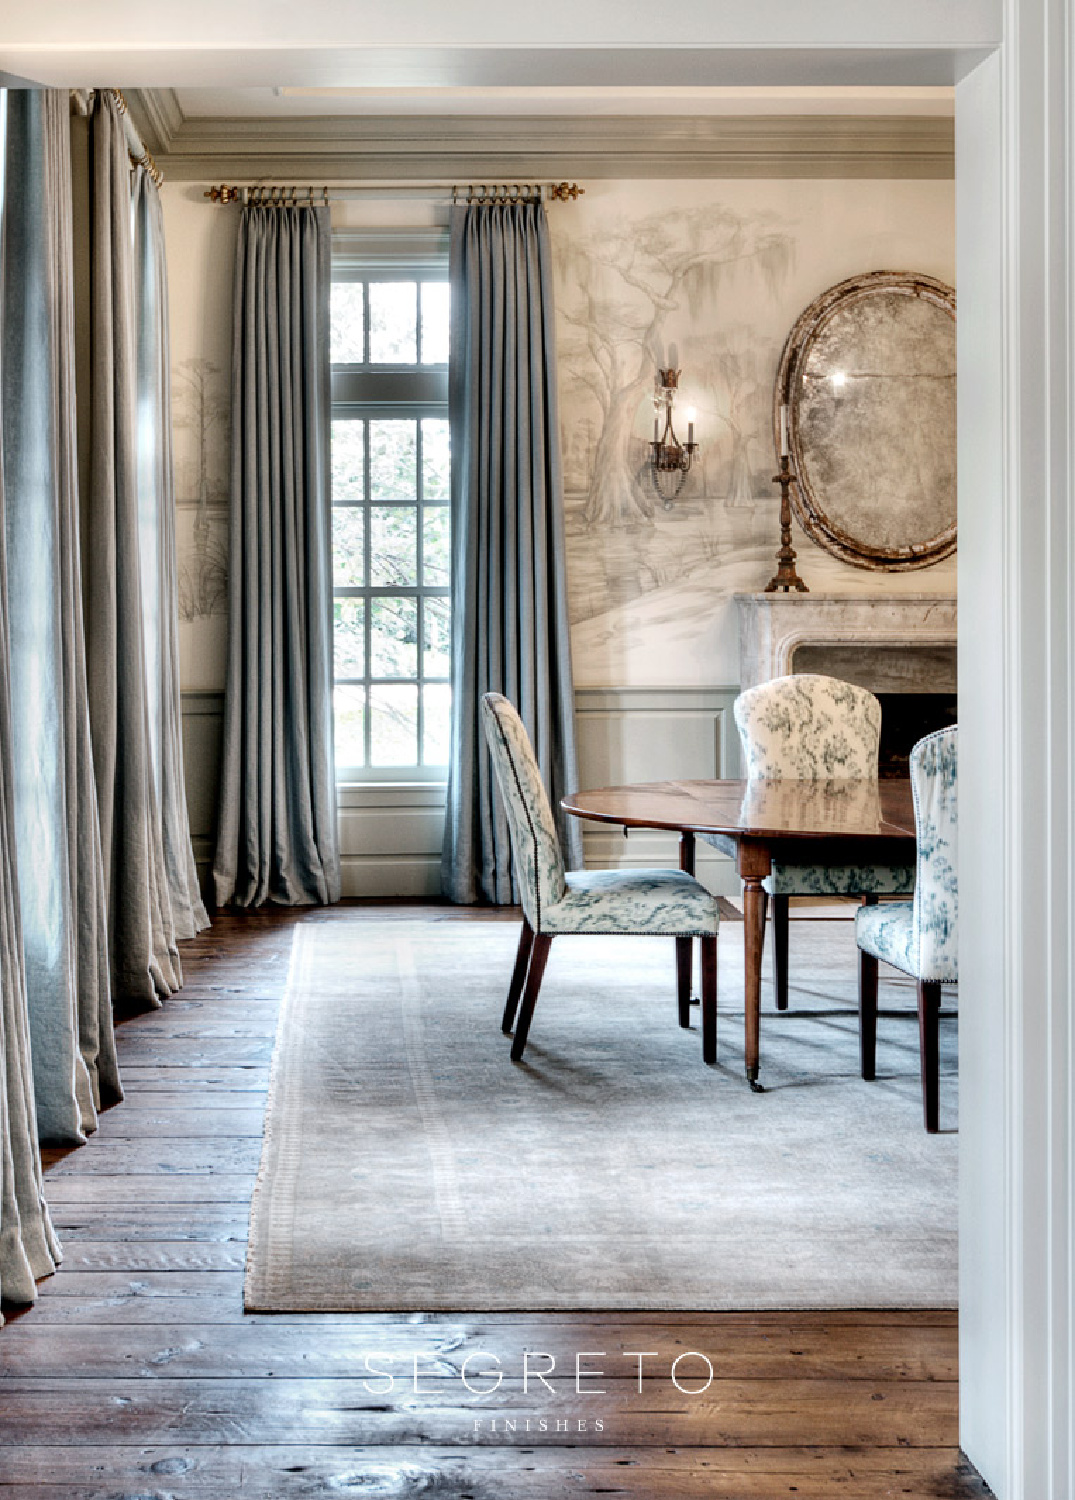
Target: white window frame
point(390, 391)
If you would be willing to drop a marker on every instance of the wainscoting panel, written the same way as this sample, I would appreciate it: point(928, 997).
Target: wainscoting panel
point(203, 731)
point(655, 734)
point(390, 833)
point(390, 838)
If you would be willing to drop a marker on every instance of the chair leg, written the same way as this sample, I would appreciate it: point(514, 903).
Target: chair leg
point(518, 977)
point(929, 1005)
point(709, 1000)
point(780, 951)
point(538, 958)
point(868, 1015)
point(684, 965)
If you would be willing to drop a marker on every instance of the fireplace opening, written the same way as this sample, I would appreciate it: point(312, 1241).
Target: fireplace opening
point(905, 719)
point(914, 682)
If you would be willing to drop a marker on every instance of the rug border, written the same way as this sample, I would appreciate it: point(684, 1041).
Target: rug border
point(263, 1294)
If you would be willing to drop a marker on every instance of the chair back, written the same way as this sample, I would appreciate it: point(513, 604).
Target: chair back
point(535, 844)
point(936, 897)
point(809, 728)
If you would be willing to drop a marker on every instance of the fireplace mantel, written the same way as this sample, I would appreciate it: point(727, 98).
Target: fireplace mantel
point(773, 626)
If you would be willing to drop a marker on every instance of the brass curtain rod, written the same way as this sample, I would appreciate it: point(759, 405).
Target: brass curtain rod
point(146, 159)
point(137, 151)
point(268, 195)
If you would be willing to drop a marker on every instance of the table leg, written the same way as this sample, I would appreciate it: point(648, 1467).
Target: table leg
point(685, 945)
point(754, 904)
point(754, 864)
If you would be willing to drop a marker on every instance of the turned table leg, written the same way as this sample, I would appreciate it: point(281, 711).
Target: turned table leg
point(754, 865)
point(685, 945)
point(754, 903)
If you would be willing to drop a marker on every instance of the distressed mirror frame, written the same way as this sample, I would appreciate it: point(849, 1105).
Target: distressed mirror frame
point(806, 501)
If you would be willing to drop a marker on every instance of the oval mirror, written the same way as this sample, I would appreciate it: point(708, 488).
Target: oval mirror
point(868, 374)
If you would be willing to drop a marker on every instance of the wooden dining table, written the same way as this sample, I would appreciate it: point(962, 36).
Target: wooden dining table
point(763, 823)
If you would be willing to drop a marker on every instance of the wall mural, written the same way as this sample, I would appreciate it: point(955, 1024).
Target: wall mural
point(647, 276)
point(708, 276)
point(200, 416)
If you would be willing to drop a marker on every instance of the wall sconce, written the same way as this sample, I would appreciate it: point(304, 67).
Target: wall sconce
point(670, 460)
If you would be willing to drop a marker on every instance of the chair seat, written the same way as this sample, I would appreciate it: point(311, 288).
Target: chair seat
point(840, 880)
point(888, 933)
point(665, 902)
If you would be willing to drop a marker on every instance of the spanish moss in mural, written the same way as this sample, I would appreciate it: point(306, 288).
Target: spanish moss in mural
point(707, 278)
point(681, 288)
point(200, 417)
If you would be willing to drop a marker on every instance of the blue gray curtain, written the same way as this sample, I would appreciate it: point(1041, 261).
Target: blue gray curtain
point(29, 1248)
point(62, 878)
point(157, 550)
point(509, 590)
point(277, 837)
point(130, 584)
point(28, 1245)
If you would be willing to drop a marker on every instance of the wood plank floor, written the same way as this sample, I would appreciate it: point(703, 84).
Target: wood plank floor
point(138, 1375)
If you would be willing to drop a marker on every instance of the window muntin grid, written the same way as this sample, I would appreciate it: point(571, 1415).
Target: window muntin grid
point(390, 479)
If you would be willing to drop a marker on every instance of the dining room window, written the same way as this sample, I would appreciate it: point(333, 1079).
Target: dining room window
point(390, 518)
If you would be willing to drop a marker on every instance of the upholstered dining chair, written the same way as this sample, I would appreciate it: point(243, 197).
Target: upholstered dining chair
point(810, 727)
point(918, 937)
point(556, 901)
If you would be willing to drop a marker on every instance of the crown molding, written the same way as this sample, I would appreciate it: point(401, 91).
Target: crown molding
point(158, 117)
point(529, 148)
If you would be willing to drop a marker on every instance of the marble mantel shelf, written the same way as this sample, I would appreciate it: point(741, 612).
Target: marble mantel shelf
point(773, 626)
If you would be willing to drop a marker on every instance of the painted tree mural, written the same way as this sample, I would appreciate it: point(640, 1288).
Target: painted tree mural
point(200, 414)
point(623, 295)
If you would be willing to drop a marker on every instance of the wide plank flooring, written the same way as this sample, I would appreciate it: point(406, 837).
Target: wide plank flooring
point(138, 1375)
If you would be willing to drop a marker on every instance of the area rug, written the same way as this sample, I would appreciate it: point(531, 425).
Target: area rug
point(408, 1164)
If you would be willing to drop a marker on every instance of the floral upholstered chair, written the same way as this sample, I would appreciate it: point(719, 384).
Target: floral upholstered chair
point(813, 728)
point(918, 937)
point(667, 903)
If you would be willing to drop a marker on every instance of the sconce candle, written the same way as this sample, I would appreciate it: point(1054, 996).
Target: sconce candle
point(784, 431)
point(690, 424)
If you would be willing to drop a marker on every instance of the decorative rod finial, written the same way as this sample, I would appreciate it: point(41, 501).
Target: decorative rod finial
point(223, 194)
point(562, 191)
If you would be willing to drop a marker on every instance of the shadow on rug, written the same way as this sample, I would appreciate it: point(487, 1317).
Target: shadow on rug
point(409, 1164)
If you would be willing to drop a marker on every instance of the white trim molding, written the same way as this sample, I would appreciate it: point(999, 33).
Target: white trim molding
point(1015, 188)
point(316, 148)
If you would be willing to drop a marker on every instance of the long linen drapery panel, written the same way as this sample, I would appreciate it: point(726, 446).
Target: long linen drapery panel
point(160, 571)
point(509, 589)
point(277, 838)
point(28, 1245)
point(29, 1248)
point(62, 892)
point(120, 569)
